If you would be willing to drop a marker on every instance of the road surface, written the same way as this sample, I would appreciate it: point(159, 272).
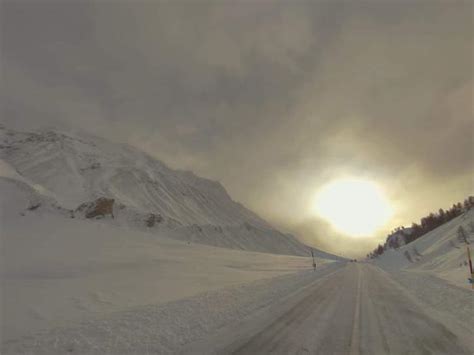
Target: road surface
point(357, 309)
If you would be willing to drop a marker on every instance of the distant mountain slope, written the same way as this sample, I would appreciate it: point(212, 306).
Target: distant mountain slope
point(77, 170)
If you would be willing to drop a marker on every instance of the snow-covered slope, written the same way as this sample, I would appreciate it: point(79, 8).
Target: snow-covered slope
point(71, 170)
point(78, 169)
point(55, 269)
point(438, 252)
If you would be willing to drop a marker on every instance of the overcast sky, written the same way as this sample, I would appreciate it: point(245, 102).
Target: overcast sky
point(273, 99)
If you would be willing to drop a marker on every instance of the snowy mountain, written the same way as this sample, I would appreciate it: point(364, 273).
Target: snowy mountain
point(89, 177)
point(78, 169)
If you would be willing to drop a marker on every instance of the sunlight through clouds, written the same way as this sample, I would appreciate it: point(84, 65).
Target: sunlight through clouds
point(355, 207)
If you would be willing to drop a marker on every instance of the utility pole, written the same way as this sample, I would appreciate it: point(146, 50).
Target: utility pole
point(464, 237)
point(471, 280)
point(314, 262)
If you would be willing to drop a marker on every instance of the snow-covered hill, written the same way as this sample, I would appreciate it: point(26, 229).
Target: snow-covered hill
point(439, 252)
point(68, 171)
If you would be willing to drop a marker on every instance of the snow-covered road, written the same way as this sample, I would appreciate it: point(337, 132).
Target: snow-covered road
point(342, 308)
point(358, 309)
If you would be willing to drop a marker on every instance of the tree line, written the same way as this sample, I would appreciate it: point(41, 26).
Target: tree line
point(426, 224)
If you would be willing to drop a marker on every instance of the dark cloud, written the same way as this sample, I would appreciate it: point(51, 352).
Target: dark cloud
point(271, 98)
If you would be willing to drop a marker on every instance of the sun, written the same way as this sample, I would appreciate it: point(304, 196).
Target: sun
point(352, 206)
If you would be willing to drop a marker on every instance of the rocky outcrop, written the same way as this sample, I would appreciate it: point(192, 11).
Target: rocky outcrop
point(97, 209)
point(152, 219)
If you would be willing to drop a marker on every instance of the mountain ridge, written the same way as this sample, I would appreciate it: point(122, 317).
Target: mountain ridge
point(76, 159)
point(75, 170)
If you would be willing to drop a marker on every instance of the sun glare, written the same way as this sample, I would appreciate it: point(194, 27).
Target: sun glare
point(354, 207)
